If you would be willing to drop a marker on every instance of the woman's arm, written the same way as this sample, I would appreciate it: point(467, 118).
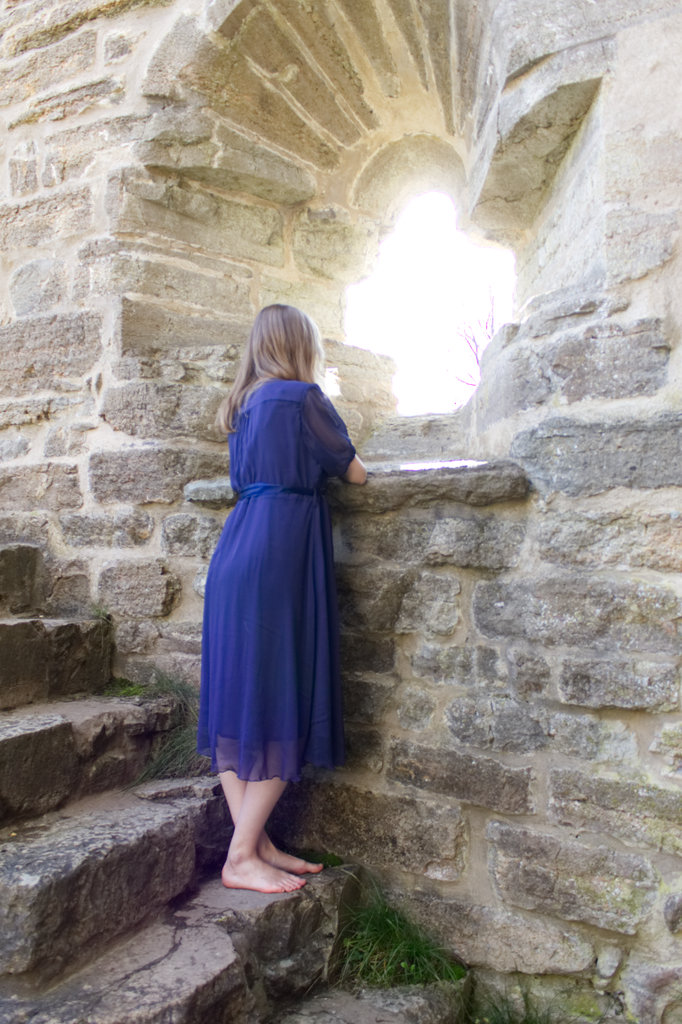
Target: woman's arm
point(356, 472)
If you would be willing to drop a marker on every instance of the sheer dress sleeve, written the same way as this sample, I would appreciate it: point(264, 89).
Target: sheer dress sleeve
point(325, 434)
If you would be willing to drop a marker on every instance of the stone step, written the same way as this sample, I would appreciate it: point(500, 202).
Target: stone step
point(44, 659)
point(75, 879)
point(50, 753)
point(220, 956)
point(414, 1004)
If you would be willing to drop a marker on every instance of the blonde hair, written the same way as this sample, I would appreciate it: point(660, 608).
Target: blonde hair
point(284, 344)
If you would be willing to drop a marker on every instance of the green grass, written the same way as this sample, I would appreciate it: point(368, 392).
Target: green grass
point(176, 756)
point(381, 947)
point(121, 687)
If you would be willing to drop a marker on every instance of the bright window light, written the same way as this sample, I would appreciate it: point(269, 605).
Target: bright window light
point(430, 303)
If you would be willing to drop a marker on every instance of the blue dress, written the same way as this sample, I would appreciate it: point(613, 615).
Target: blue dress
point(270, 683)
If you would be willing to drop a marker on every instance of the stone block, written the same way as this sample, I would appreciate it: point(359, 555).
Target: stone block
point(580, 611)
point(629, 808)
point(43, 658)
point(471, 483)
point(473, 780)
point(55, 901)
point(650, 686)
point(365, 699)
point(415, 709)
point(142, 475)
point(43, 486)
point(320, 299)
point(23, 411)
point(138, 589)
point(422, 836)
point(44, 26)
point(146, 409)
point(393, 538)
point(497, 940)
point(475, 543)
point(42, 220)
point(637, 241)
point(66, 441)
point(208, 151)
point(24, 528)
point(191, 535)
point(22, 584)
point(529, 673)
point(588, 738)
point(13, 448)
point(365, 653)
point(69, 154)
point(71, 102)
point(370, 598)
point(326, 246)
point(648, 540)
point(23, 169)
point(37, 286)
point(498, 723)
point(364, 749)
point(216, 494)
point(37, 763)
point(430, 605)
point(48, 353)
point(147, 328)
point(565, 879)
point(464, 667)
point(136, 636)
point(22, 78)
point(180, 212)
point(124, 528)
point(68, 588)
point(589, 458)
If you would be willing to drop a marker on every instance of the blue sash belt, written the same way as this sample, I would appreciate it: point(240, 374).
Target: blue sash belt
point(255, 490)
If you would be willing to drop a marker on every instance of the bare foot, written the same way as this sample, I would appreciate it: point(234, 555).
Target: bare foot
point(278, 859)
point(255, 874)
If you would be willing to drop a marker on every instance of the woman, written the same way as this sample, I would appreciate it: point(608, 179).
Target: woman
point(270, 689)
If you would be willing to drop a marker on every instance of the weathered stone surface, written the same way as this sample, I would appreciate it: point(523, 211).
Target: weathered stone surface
point(71, 102)
point(588, 458)
point(362, 653)
point(475, 780)
point(365, 749)
point(43, 658)
point(23, 411)
point(22, 584)
point(163, 410)
point(195, 536)
point(121, 529)
point(629, 808)
point(588, 738)
point(327, 245)
point(580, 611)
point(395, 538)
point(48, 352)
point(498, 723)
point(570, 880)
point(179, 211)
point(415, 709)
point(49, 485)
point(71, 152)
point(366, 699)
point(47, 25)
point(652, 987)
point(430, 605)
point(84, 880)
point(464, 667)
point(208, 151)
point(211, 493)
point(138, 589)
point(150, 328)
point(416, 1004)
point(482, 543)
point(22, 78)
point(529, 672)
point(23, 169)
point(136, 636)
point(425, 836)
point(471, 483)
point(651, 540)
point(621, 684)
point(24, 528)
point(45, 219)
point(501, 941)
point(370, 598)
point(67, 588)
point(37, 763)
point(142, 475)
point(13, 447)
point(66, 440)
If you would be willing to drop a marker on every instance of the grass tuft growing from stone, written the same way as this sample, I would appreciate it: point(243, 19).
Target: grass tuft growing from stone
point(176, 757)
point(382, 948)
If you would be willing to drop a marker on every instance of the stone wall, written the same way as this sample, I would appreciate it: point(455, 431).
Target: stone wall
point(511, 628)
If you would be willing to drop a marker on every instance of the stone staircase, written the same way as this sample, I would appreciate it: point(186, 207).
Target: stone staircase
point(111, 907)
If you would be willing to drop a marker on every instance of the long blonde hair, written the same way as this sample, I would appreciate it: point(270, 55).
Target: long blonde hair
point(285, 344)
